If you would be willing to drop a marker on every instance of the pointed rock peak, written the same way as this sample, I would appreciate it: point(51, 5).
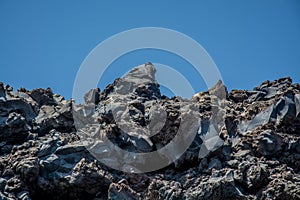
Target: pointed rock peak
point(140, 81)
point(219, 90)
point(141, 74)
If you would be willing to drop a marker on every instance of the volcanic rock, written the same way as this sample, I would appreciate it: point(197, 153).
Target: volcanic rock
point(242, 144)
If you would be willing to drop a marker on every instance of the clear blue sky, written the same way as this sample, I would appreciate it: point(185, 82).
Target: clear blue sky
point(43, 43)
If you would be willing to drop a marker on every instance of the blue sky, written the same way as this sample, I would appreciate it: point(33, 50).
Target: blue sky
point(43, 43)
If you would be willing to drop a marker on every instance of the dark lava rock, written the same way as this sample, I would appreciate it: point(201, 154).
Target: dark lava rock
point(121, 191)
point(92, 96)
point(43, 97)
point(269, 143)
point(245, 144)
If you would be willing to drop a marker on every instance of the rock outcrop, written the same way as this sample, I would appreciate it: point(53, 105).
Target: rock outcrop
point(239, 145)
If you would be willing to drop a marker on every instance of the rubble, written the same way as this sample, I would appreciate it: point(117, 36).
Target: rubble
point(244, 144)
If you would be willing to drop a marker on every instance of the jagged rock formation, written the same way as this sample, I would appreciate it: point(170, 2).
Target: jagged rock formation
point(245, 144)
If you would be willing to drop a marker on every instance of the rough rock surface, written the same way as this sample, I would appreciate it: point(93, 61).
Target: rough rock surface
point(246, 145)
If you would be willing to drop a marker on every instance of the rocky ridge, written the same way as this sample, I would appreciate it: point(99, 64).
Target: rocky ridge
point(246, 144)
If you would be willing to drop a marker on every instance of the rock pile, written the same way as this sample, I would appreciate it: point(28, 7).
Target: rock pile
point(241, 145)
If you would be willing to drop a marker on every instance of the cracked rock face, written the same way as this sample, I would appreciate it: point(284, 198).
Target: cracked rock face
point(244, 144)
